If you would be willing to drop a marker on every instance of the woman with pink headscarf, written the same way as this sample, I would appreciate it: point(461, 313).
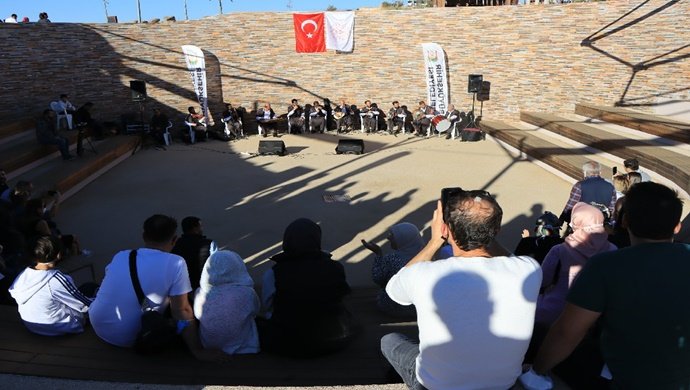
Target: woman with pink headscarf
point(564, 261)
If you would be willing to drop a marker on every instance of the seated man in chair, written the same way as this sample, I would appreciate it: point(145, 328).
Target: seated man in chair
point(196, 123)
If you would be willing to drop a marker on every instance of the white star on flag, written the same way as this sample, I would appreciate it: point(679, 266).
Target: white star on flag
point(310, 35)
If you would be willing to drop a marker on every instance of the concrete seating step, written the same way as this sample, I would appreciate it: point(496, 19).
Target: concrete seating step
point(24, 150)
point(69, 176)
point(11, 128)
point(649, 123)
point(567, 160)
point(671, 165)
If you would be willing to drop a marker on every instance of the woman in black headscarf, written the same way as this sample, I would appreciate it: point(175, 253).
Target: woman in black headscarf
point(303, 297)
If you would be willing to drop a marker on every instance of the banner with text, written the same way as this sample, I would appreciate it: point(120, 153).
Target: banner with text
point(194, 58)
point(436, 77)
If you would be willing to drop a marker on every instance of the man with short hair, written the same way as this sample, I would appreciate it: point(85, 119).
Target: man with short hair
point(11, 19)
point(592, 189)
point(116, 312)
point(638, 294)
point(632, 165)
point(47, 134)
point(49, 302)
point(194, 247)
point(475, 311)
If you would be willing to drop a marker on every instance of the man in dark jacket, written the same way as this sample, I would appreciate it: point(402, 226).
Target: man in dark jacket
point(47, 134)
point(194, 247)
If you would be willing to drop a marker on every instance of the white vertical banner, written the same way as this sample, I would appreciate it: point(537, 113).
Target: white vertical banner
point(194, 58)
point(340, 30)
point(436, 77)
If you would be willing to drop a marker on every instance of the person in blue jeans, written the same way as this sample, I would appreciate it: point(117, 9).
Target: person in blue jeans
point(47, 134)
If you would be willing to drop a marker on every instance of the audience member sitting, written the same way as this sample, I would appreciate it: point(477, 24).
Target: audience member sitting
point(406, 242)
point(12, 253)
point(116, 313)
point(302, 296)
point(43, 18)
point(634, 178)
point(546, 235)
point(194, 247)
point(225, 305)
point(17, 198)
point(82, 117)
point(37, 222)
point(47, 134)
point(632, 165)
point(4, 187)
point(564, 261)
point(630, 293)
point(49, 302)
point(592, 189)
point(11, 19)
point(197, 122)
point(475, 311)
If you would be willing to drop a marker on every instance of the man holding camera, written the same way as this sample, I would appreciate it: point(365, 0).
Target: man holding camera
point(475, 310)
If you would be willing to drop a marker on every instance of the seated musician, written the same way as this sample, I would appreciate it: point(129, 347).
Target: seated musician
point(295, 117)
point(453, 116)
point(197, 122)
point(265, 117)
point(83, 119)
point(317, 118)
point(423, 118)
point(343, 117)
point(371, 114)
point(159, 122)
point(232, 120)
point(396, 118)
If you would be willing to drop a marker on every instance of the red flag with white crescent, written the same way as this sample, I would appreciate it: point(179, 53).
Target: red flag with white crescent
point(309, 33)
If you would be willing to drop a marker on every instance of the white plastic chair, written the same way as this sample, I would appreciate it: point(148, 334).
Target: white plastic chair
point(61, 114)
point(192, 133)
point(167, 137)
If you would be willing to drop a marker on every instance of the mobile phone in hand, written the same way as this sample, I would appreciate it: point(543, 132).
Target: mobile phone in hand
point(615, 171)
point(446, 194)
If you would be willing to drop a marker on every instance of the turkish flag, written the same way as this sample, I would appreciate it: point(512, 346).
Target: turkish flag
point(309, 33)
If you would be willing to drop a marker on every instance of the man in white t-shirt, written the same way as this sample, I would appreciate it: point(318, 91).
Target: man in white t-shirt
point(116, 312)
point(475, 311)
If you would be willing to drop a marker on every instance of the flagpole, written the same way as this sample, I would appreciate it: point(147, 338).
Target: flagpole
point(139, 10)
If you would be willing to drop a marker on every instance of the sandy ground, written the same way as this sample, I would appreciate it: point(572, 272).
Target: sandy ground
point(245, 201)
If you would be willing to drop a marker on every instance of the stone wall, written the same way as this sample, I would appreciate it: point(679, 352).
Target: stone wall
point(536, 58)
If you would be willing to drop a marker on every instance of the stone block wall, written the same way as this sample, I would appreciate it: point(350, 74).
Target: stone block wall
point(545, 57)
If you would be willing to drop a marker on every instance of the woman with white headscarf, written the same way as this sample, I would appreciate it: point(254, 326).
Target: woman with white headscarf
point(406, 242)
point(564, 261)
point(226, 305)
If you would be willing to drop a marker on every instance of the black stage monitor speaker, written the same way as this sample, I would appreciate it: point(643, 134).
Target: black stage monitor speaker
point(484, 92)
point(474, 83)
point(350, 146)
point(138, 88)
point(274, 147)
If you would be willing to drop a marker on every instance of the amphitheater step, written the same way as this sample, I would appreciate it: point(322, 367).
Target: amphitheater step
point(567, 159)
point(69, 176)
point(669, 164)
point(652, 124)
point(23, 152)
point(10, 129)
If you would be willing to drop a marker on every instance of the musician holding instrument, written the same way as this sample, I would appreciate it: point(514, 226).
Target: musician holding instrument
point(453, 116)
point(423, 118)
point(197, 122)
point(317, 118)
point(343, 116)
point(295, 117)
point(266, 118)
point(397, 118)
point(232, 120)
point(371, 116)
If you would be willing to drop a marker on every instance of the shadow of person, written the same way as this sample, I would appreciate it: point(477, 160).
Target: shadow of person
point(476, 331)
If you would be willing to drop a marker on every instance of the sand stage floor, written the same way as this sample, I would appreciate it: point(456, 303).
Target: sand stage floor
point(245, 201)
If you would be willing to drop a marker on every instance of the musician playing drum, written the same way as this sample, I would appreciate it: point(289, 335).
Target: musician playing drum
point(317, 118)
point(423, 118)
point(397, 118)
point(295, 117)
point(265, 117)
point(343, 116)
